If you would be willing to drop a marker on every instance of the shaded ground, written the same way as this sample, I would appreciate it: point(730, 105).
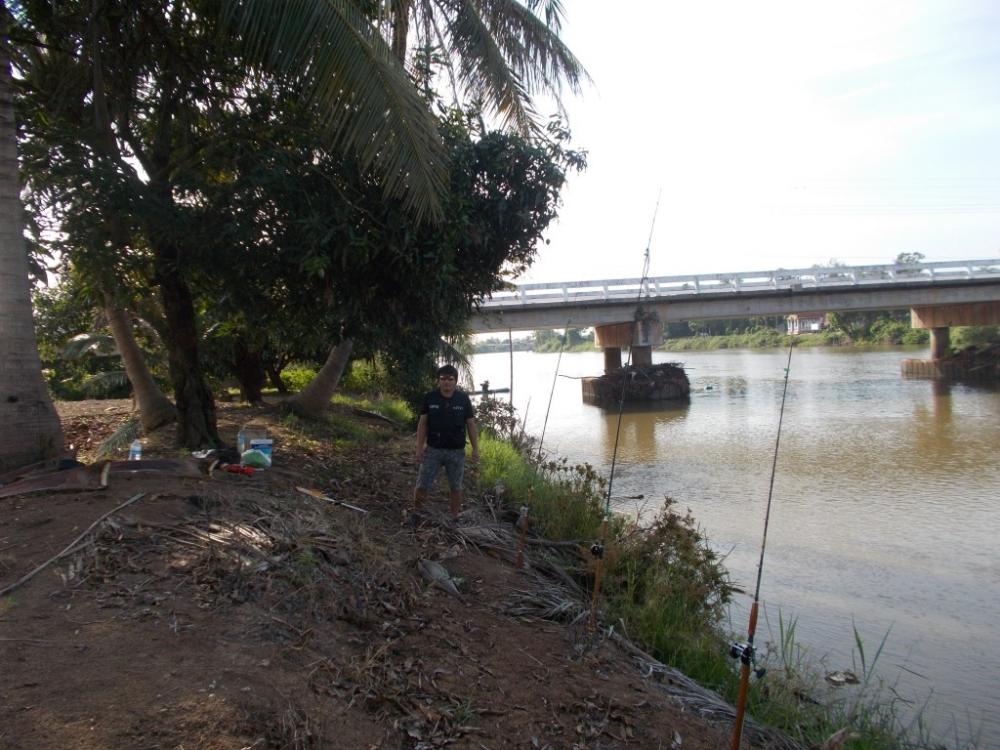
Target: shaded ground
point(237, 613)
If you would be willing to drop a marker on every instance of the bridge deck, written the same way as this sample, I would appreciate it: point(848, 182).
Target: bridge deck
point(744, 294)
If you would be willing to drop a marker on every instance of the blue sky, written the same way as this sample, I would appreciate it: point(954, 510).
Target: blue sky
point(781, 134)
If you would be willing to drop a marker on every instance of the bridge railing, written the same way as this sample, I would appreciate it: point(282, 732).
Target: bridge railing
point(612, 290)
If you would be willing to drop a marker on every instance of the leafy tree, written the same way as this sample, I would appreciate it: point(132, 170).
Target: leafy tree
point(118, 84)
point(907, 259)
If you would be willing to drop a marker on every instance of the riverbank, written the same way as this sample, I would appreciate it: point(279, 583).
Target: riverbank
point(236, 612)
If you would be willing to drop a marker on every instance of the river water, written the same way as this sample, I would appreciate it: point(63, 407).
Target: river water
point(884, 513)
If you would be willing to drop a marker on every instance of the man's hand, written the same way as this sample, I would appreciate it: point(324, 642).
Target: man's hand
point(474, 457)
point(418, 454)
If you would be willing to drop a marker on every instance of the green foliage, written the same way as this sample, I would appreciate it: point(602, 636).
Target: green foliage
point(297, 376)
point(670, 589)
point(496, 418)
point(963, 336)
point(572, 340)
point(365, 376)
point(842, 329)
point(565, 501)
point(494, 344)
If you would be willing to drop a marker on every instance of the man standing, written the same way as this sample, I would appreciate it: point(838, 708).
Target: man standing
point(446, 415)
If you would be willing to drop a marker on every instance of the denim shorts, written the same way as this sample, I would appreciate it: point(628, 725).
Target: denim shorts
point(453, 461)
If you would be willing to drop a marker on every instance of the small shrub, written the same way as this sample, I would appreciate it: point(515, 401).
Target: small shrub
point(964, 336)
point(495, 417)
point(296, 377)
point(364, 376)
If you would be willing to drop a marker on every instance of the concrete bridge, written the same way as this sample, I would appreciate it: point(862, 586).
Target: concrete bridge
point(939, 295)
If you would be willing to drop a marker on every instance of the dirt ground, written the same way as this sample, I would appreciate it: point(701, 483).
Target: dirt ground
point(234, 612)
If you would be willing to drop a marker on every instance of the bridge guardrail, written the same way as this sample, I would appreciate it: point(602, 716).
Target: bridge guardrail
point(612, 290)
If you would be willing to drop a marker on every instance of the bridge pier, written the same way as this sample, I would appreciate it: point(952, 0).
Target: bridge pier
point(940, 343)
point(612, 358)
point(939, 319)
point(640, 337)
point(663, 382)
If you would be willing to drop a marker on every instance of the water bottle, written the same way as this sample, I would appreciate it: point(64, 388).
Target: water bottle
point(135, 451)
point(241, 441)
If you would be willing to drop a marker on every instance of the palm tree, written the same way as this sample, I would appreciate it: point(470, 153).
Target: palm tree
point(497, 52)
point(31, 429)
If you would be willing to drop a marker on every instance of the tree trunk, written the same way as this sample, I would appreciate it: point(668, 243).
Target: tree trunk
point(249, 371)
point(311, 400)
point(155, 409)
point(31, 429)
point(274, 375)
point(196, 426)
point(400, 28)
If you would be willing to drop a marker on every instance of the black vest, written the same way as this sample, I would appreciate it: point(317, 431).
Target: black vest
point(446, 418)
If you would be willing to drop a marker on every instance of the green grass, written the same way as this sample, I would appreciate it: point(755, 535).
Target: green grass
point(565, 501)
point(395, 409)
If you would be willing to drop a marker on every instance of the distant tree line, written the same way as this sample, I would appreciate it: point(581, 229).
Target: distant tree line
point(542, 340)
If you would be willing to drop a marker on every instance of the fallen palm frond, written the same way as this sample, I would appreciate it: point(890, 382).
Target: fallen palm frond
point(118, 441)
point(71, 547)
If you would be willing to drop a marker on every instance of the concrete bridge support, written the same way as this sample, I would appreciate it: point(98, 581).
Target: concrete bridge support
point(612, 358)
point(940, 342)
point(940, 318)
point(640, 337)
point(943, 366)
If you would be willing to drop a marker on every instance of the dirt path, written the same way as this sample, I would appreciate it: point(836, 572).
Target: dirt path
point(233, 612)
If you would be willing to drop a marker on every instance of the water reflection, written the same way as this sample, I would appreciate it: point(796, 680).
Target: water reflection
point(643, 426)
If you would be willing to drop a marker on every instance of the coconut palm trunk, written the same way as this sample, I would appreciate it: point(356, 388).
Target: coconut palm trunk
point(155, 409)
point(31, 430)
point(311, 400)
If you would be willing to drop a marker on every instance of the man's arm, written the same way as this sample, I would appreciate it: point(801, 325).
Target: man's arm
point(470, 426)
point(421, 437)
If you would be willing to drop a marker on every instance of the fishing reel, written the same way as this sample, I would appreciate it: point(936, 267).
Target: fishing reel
point(597, 550)
point(747, 654)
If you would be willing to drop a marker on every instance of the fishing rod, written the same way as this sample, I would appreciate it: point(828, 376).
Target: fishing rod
point(745, 651)
point(597, 549)
point(552, 391)
point(522, 517)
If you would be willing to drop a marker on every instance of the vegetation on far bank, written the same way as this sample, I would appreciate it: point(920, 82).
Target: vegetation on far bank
point(842, 329)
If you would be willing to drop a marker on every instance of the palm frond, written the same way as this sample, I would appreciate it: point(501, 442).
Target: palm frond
point(369, 104)
point(118, 441)
point(537, 54)
point(553, 12)
point(484, 69)
point(104, 382)
point(97, 344)
point(457, 351)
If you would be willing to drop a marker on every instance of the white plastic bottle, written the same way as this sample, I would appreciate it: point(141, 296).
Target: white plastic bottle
point(135, 450)
point(241, 441)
